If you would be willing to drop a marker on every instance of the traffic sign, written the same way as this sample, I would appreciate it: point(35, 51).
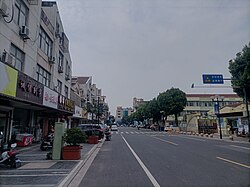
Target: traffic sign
point(212, 79)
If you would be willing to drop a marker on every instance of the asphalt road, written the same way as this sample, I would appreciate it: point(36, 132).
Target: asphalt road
point(147, 158)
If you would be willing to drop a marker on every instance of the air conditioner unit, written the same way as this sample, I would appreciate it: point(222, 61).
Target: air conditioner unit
point(60, 69)
point(51, 60)
point(67, 77)
point(7, 58)
point(3, 8)
point(24, 32)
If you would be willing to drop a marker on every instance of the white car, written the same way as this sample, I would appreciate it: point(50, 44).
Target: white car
point(114, 128)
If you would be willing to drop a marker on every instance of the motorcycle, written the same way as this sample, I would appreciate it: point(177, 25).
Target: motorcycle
point(47, 142)
point(108, 135)
point(8, 157)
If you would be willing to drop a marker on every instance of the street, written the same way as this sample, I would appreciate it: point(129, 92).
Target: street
point(148, 158)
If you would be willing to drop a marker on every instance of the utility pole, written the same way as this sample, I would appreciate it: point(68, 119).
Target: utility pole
point(217, 110)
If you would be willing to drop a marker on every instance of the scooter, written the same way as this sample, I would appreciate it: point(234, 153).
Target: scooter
point(47, 143)
point(8, 157)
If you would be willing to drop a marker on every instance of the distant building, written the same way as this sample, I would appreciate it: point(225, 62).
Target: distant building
point(122, 112)
point(137, 102)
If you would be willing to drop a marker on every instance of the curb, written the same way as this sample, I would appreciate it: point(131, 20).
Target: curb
point(67, 180)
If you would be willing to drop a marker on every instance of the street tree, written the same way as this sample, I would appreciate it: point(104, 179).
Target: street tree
point(172, 102)
point(239, 67)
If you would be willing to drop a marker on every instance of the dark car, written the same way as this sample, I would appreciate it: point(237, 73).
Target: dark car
point(91, 129)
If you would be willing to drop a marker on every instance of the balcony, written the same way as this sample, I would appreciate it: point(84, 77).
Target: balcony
point(67, 77)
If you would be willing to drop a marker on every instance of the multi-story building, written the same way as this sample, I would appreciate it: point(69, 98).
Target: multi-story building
point(92, 100)
point(35, 68)
point(123, 112)
point(202, 103)
point(137, 102)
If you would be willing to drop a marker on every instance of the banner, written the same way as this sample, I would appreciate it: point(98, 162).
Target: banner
point(8, 80)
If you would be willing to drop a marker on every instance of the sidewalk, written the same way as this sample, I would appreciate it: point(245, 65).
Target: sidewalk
point(33, 159)
point(233, 138)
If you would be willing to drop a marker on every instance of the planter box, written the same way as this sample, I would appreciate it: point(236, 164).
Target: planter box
point(93, 139)
point(71, 153)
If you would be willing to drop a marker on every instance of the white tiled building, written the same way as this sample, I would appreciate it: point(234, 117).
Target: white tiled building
point(34, 51)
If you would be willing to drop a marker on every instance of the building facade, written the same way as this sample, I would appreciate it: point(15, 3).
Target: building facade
point(35, 68)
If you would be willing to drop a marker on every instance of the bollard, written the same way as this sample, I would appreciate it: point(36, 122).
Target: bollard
point(231, 138)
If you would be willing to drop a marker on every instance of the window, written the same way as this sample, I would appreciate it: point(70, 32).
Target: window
point(18, 63)
point(20, 13)
point(59, 86)
point(45, 43)
point(66, 90)
point(43, 76)
point(60, 61)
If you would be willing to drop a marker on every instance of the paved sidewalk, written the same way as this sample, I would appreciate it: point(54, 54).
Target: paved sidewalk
point(36, 170)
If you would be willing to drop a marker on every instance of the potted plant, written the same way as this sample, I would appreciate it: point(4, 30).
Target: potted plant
point(73, 137)
point(93, 138)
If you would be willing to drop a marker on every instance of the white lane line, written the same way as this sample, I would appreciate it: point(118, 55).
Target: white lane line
point(117, 132)
point(233, 162)
point(126, 132)
point(192, 138)
point(112, 132)
point(137, 132)
point(247, 148)
point(165, 141)
point(132, 132)
point(122, 132)
point(150, 176)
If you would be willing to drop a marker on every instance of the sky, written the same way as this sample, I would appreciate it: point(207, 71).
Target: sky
point(140, 48)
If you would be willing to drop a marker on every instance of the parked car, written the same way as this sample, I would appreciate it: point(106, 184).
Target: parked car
point(90, 129)
point(114, 128)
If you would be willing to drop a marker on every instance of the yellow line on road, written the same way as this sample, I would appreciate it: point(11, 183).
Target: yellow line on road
point(233, 162)
point(166, 141)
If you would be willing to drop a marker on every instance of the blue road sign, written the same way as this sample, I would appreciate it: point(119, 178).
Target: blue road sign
point(212, 79)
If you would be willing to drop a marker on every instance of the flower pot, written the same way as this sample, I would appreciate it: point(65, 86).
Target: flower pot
point(71, 152)
point(93, 139)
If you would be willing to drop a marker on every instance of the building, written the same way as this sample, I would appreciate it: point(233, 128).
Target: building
point(93, 102)
point(202, 103)
point(123, 112)
point(137, 102)
point(35, 67)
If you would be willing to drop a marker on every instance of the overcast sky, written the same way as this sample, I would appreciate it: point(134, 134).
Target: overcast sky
point(139, 48)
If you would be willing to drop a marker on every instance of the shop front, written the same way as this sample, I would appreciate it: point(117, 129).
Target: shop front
point(77, 116)
point(8, 82)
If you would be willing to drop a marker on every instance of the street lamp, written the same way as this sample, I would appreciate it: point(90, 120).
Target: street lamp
point(217, 99)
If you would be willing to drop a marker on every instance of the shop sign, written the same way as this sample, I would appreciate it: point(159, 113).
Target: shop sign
point(29, 89)
point(66, 104)
point(8, 80)
point(50, 98)
point(78, 112)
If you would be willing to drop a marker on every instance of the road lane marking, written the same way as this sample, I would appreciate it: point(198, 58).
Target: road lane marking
point(233, 162)
point(150, 176)
point(165, 141)
point(247, 148)
point(192, 138)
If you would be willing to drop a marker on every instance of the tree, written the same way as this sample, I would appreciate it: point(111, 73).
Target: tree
point(172, 102)
point(154, 109)
point(239, 67)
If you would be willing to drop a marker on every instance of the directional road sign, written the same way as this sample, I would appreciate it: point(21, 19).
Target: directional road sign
point(213, 79)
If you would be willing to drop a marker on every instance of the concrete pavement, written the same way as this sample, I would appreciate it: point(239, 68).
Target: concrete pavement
point(36, 170)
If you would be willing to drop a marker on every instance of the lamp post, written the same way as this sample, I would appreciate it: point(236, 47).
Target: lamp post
point(217, 99)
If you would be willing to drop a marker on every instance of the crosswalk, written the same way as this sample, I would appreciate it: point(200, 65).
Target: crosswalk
point(136, 133)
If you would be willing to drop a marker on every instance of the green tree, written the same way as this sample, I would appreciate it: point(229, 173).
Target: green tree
point(154, 110)
point(239, 67)
point(172, 102)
